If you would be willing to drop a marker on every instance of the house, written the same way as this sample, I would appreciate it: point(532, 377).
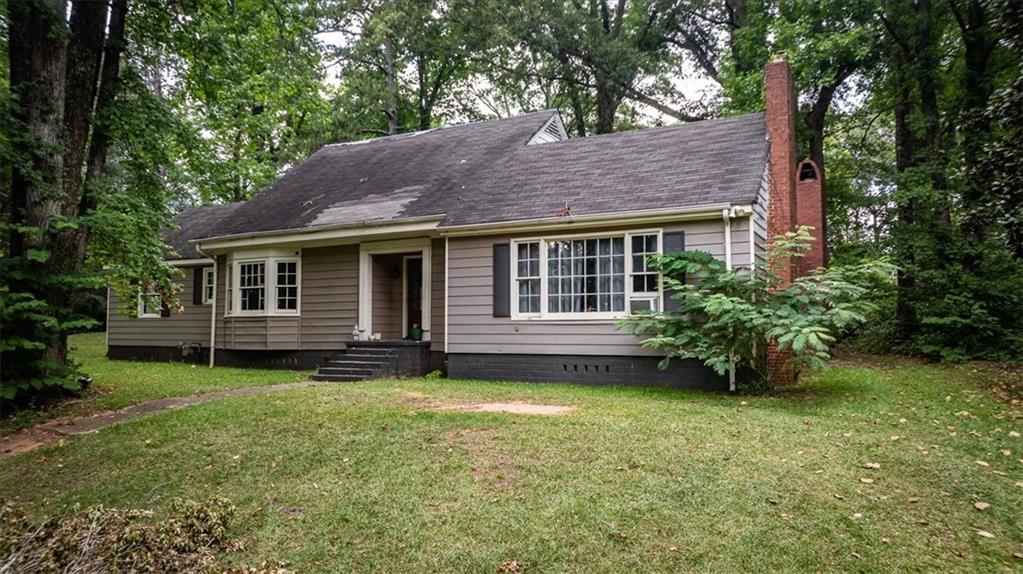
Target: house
point(500, 248)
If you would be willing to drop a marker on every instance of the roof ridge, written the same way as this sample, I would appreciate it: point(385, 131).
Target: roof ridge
point(394, 137)
point(678, 126)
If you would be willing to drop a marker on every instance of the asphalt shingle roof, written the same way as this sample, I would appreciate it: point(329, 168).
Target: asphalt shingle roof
point(195, 223)
point(485, 173)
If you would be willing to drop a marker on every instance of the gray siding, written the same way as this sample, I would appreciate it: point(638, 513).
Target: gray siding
point(330, 296)
point(472, 328)
point(329, 307)
point(437, 296)
point(192, 324)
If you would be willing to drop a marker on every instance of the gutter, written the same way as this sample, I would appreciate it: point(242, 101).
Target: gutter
point(617, 217)
point(357, 229)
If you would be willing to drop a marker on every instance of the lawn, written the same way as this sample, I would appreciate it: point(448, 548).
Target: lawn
point(117, 384)
point(374, 477)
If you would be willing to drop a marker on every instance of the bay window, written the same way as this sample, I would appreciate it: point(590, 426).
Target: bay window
point(267, 286)
point(600, 277)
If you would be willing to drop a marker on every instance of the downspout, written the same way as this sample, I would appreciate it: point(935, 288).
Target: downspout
point(726, 215)
point(213, 307)
point(447, 280)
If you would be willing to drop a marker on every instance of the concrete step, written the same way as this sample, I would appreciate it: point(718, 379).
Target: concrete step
point(371, 350)
point(339, 378)
point(360, 371)
point(356, 363)
point(366, 358)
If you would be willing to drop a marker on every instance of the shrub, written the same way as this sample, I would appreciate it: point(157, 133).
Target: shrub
point(727, 318)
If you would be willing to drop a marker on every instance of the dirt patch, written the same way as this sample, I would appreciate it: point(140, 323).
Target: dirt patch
point(489, 462)
point(511, 407)
point(26, 440)
point(518, 408)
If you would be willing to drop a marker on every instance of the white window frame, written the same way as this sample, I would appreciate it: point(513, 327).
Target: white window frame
point(149, 295)
point(208, 285)
point(269, 287)
point(544, 315)
point(655, 298)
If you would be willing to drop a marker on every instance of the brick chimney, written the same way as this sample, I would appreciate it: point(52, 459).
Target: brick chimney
point(780, 113)
point(810, 212)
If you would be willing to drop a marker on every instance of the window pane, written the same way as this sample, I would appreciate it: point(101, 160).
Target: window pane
point(618, 284)
point(637, 244)
point(553, 304)
point(638, 283)
point(534, 251)
point(618, 245)
point(618, 302)
point(651, 244)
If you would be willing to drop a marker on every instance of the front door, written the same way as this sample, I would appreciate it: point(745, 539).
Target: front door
point(413, 294)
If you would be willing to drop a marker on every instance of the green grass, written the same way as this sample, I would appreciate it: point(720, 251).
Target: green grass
point(117, 384)
point(363, 478)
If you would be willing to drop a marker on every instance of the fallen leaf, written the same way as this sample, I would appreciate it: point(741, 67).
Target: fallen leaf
point(872, 465)
point(1018, 555)
point(1006, 452)
point(981, 505)
point(857, 516)
point(785, 516)
point(509, 567)
point(867, 480)
point(839, 497)
point(1014, 434)
point(913, 499)
point(854, 555)
point(673, 549)
point(983, 533)
point(886, 541)
point(981, 463)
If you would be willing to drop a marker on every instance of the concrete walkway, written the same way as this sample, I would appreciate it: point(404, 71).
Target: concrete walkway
point(52, 431)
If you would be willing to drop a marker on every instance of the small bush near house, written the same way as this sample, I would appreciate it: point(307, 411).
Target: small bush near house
point(113, 540)
point(728, 318)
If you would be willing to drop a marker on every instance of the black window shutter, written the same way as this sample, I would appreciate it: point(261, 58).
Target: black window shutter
point(502, 280)
point(674, 242)
point(197, 285)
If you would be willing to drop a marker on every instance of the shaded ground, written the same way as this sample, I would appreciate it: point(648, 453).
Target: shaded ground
point(117, 384)
point(45, 433)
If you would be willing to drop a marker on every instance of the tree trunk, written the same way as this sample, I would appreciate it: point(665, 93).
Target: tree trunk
point(38, 65)
point(607, 105)
point(905, 153)
point(88, 21)
point(392, 88)
point(977, 45)
point(108, 84)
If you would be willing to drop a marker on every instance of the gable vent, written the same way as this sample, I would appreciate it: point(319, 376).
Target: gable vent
point(552, 131)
